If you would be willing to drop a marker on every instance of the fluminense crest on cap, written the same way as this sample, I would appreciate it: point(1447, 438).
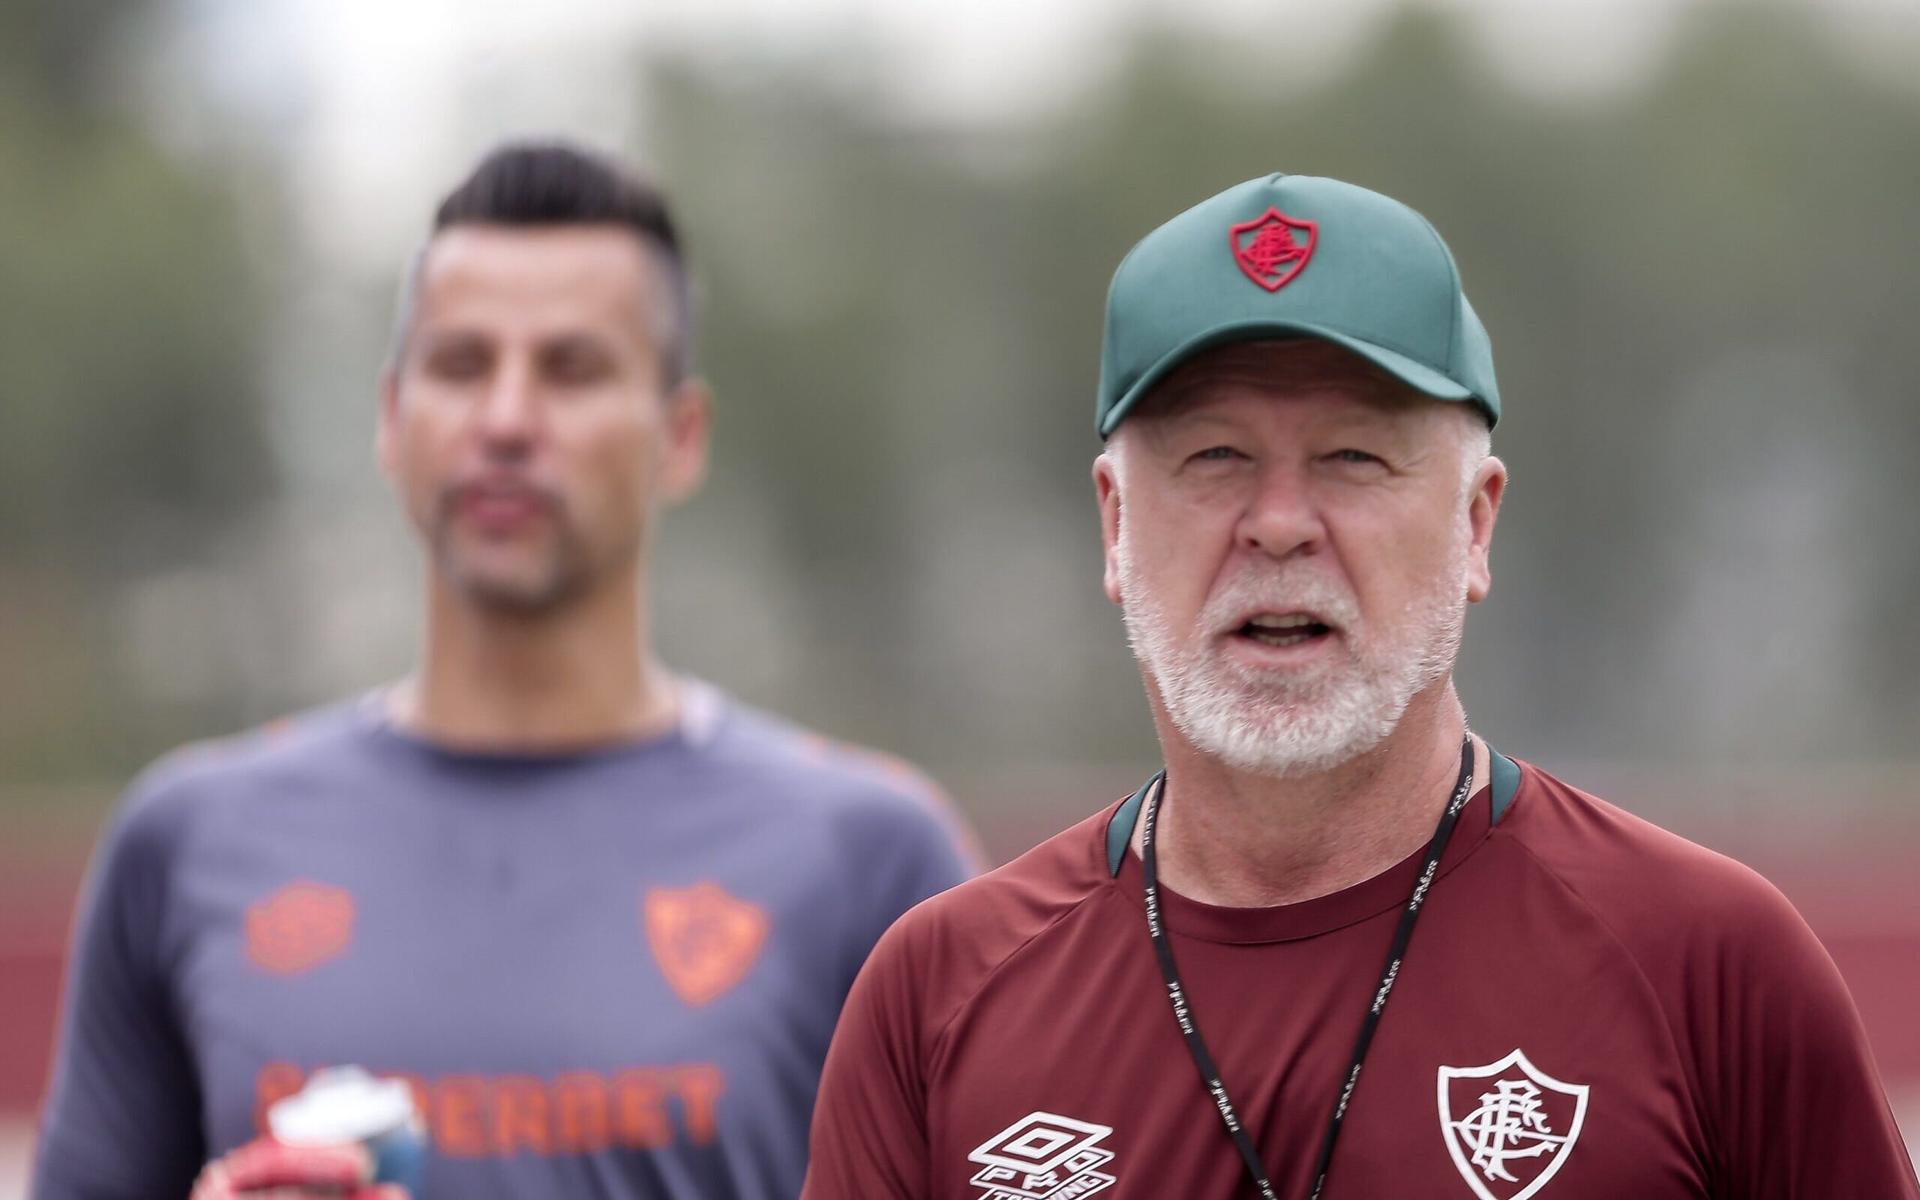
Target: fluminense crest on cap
point(1268, 250)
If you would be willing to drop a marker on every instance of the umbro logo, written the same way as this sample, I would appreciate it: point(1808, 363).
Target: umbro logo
point(1043, 1156)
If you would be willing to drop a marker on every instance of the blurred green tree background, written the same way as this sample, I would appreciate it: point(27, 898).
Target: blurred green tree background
point(1699, 299)
point(1700, 289)
point(131, 405)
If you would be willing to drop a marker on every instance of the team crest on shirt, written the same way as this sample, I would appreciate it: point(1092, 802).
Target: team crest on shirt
point(299, 927)
point(704, 938)
point(1509, 1125)
point(1043, 1156)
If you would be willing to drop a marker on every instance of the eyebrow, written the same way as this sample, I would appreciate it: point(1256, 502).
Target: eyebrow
point(452, 333)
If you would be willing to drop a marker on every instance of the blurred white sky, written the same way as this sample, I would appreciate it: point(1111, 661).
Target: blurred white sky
point(374, 102)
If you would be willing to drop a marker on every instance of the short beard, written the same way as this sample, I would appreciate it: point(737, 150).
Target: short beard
point(563, 576)
point(1284, 724)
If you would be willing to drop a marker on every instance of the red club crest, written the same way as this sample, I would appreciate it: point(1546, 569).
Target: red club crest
point(1273, 247)
point(299, 927)
point(704, 939)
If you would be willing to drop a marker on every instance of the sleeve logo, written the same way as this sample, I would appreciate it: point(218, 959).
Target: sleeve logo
point(1509, 1125)
point(299, 927)
point(1043, 1156)
point(704, 939)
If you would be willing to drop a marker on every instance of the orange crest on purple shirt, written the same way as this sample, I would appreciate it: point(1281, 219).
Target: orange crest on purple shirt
point(299, 927)
point(705, 939)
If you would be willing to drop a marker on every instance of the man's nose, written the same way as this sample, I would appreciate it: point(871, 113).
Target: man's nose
point(509, 414)
point(1282, 514)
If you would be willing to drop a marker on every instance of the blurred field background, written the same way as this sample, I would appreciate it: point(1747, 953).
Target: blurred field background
point(1690, 228)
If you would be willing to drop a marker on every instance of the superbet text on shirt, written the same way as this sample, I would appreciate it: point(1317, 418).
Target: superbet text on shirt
point(1591, 1009)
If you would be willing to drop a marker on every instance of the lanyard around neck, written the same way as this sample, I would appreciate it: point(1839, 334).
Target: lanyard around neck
point(1190, 1028)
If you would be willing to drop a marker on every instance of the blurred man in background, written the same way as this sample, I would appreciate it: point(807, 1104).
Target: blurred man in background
point(600, 916)
point(1297, 503)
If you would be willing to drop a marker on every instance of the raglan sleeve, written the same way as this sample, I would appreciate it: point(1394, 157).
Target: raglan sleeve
point(1801, 1111)
point(122, 1116)
point(869, 1137)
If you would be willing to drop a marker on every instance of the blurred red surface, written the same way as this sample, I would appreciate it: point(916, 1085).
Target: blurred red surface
point(38, 886)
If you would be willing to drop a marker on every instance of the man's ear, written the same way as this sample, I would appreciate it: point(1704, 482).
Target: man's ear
point(1483, 512)
point(1106, 491)
point(386, 424)
point(689, 435)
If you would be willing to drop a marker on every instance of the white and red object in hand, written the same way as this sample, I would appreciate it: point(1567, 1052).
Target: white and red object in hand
point(346, 1136)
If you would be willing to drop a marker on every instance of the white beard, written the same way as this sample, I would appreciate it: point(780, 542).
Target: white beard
point(1291, 723)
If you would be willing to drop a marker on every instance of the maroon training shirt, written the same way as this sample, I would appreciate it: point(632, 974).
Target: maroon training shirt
point(1592, 1009)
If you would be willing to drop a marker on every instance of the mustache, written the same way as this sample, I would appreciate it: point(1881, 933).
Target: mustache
point(1279, 591)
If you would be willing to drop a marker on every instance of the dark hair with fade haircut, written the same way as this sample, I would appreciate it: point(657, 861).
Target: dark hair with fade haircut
point(552, 182)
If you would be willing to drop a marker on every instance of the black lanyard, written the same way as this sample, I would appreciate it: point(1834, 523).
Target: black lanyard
point(1203, 1059)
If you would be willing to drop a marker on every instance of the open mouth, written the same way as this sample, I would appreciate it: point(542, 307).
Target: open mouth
point(1290, 629)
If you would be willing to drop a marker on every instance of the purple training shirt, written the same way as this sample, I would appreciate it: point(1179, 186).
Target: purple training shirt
point(607, 974)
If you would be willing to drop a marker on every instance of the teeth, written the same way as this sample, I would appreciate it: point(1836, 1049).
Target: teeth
point(1290, 621)
point(1279, 639)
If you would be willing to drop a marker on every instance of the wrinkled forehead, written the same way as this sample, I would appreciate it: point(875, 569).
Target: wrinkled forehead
point(1302, 372)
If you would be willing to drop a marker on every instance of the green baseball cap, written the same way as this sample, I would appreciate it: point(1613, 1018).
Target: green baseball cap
point(1294, 255)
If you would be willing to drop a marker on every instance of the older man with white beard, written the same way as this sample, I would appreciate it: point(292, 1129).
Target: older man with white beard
point(1291, 717)
point(1178, 996)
